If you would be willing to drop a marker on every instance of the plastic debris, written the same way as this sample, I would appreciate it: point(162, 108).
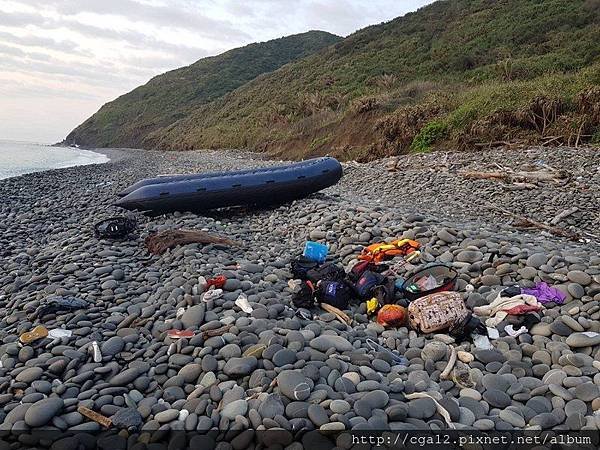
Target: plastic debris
point(178, 334)
point(58, 333)
point(213, 294)
point(514, 333)
point(56, 304)
point(242, 303)
point(396, 357)
point(493, 333)
point(95, 350)
point(482, 342)
point(37, 333)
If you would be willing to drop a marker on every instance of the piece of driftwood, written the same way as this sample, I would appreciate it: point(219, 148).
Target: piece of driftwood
point(158, 243)
point(341, 315)
point(445, 375)
point(520, 176)
point(525, 222)
point(215, 332)
point(96, 417)
point(563, 215)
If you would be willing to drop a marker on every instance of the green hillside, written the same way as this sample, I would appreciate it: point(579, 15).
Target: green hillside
point(173, 95)
point(456, 73)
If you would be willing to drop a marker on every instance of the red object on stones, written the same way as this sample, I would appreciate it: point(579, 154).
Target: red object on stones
point(392, 316)
point(176, 334)
point(218, 282)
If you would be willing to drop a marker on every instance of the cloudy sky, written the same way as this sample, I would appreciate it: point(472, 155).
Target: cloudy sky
point(63, 59)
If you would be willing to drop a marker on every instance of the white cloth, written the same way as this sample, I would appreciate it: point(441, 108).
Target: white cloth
point(497, 309)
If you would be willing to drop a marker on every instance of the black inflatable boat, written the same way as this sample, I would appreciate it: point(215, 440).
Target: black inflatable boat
point(270, 185)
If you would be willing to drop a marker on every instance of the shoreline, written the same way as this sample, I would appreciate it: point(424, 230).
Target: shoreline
point(89, 156)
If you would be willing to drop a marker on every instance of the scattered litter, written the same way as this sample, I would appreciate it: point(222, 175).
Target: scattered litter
point(36, 334)
point(545, 293)
point(493, 333)
point(242, 303)
point(58, 333)
point(429, 280)
point(213, 294)
point(437, 311)
point(56, 304)
point(397, 358)
point(160, 242)
point(115, 228)
point(178, 334)
point(392, 316)
point(218, 282)
point(372, 305)
point(451, 361)
point(93, 415)
point(95, 350)
point(440, 409)
point(216, 332)
point(514, 333)
point(334, 293)
point(180, 312)
point(482, 342)
point(341, 315)
point(314, 251)
point(498, 309)
point(382, 250)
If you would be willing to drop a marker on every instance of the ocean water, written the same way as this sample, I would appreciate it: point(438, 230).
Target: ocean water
point(18, 158)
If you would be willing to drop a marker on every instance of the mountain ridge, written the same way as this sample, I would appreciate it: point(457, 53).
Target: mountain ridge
point(459, 73)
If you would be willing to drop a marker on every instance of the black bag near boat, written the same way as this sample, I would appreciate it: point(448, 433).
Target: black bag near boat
point(271, 185)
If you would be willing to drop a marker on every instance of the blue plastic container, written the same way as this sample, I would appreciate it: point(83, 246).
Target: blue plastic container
point(315, 251)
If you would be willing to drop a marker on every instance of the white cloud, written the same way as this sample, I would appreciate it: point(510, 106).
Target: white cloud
point(62, 59)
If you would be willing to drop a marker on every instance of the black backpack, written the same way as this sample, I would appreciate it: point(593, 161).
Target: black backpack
point(305, 297)
point(301, 266)
point(365, 284)
point(334, 293)
point(326, 272)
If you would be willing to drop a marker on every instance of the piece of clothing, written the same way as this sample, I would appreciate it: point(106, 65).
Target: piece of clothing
point(545, 293)
point(522, 309)
point(497, 310)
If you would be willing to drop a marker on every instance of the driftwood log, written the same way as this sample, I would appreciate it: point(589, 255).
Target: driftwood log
point(341, 315)
point(521, 176)
point(525, 222)
point(158, 243)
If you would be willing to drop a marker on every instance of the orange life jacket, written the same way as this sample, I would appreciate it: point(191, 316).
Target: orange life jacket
point(382, 250)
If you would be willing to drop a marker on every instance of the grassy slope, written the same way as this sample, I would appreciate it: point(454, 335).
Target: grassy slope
point(460, 70)
point(172, 95)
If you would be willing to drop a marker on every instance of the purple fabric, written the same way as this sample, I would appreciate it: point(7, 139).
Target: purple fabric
point(545, 293)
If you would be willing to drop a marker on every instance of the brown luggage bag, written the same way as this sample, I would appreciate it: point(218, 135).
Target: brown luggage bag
point(437, 311)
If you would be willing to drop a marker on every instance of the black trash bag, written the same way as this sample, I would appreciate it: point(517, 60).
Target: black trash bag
point(301, 266)
point(470, 324)
point(334, 293)
point(59, 304)
point(326, 272)
point(305, 297)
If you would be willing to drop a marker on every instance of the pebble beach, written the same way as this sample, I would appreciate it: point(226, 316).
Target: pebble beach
point(273, 369)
